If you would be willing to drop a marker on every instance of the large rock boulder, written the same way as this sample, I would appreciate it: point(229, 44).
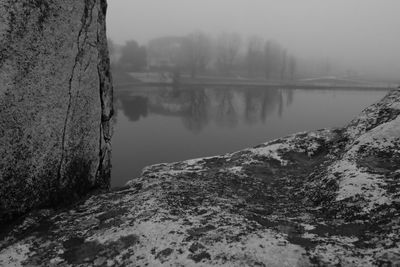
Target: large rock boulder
point(55, 102)
point(321, 198)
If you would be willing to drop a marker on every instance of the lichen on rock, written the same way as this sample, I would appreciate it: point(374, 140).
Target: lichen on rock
point(55, 103)
point(321, 198)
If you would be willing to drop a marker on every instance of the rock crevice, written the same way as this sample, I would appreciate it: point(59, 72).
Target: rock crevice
point(322, 198)
point(55, 91)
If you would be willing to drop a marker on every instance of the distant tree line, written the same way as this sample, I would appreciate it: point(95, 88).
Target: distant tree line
point(201, 54)
point(132, 56)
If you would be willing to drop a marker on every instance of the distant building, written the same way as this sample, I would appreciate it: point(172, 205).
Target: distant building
point(164, 52)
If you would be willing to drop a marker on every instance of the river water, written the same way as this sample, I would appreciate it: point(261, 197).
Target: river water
point(154, 125)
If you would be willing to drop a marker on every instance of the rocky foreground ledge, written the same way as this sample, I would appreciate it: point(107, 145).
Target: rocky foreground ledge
point(328, 197)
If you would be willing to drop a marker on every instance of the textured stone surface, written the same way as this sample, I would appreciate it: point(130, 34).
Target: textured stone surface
point(55, 102)
point(322, 198)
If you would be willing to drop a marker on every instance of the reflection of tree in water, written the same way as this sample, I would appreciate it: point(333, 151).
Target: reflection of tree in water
point(251, 100)
point(259, 103)
point(280, 107)
point(289, 96)
point(196, 116)
point(226, 113)
point(197, 106)
point(134, 107)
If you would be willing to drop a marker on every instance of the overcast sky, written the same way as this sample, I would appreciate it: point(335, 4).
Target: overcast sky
point(357, 33)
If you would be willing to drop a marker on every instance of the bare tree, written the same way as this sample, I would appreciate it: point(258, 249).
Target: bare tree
point(228, 45)
point(267, 59)
point(283, 64)
point(272, 58)
point(254, 55)
point(196, 52)
point(292, 67)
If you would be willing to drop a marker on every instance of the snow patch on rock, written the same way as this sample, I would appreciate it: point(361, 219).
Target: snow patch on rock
point(14, 255)
point(355, 183)
point(272, 152)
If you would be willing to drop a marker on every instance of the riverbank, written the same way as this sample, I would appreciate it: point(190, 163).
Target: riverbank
point(126, 80)
point(194, 84)
point(326, 197)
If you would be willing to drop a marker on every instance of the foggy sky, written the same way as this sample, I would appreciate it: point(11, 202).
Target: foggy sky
point(363, 34)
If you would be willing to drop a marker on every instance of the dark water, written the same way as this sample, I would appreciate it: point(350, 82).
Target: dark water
point(155, 125)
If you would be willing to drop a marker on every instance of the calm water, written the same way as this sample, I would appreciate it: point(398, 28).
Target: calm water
point(165, 125)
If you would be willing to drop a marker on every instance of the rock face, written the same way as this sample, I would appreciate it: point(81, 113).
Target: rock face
point(322, 198)
point(55, 102)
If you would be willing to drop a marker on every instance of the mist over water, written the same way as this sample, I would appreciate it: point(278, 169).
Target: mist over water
point(200, 133)
point(155, 125)
point(331, 46)
point(352, 35)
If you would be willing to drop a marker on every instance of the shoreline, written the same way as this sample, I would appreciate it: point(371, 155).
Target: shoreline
point(266, 85)
point(323, 197)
